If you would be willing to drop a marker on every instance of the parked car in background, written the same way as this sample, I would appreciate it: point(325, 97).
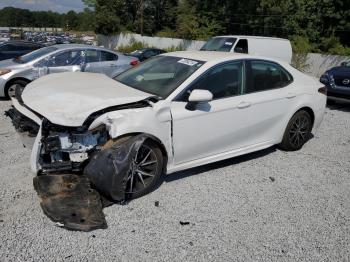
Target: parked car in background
point(337, 81)
point(12, 49)
point(57, 59)
point(182, 109)
point(277, 48)
point(146, 53)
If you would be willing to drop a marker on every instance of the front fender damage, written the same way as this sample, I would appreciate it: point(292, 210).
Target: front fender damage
point(76, 201)
point(78, 174)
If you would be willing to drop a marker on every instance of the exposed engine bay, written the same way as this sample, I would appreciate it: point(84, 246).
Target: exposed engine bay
point(69, 150)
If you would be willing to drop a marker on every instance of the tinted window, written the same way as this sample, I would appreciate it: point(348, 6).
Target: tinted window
point(107, 56)
point(263, 75)
point(222, 81)
point(8, 47)
point(66, 58)
point(242, 46)
point(33, 47)
point(223, 44)
point(92, 56)
point(24, 47)
point(149, 54)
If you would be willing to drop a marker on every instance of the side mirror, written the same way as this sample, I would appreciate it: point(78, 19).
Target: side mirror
point(198, 96)
point(344, 64)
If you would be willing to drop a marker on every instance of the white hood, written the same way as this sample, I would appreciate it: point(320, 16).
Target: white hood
point(68, 99)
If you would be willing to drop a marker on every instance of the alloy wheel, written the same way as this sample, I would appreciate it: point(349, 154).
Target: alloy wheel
point(300, 131)
point(144, 168)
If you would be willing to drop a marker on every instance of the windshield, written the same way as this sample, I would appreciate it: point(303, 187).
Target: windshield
point(35, 54)
point(161, 75)
point(223, 44)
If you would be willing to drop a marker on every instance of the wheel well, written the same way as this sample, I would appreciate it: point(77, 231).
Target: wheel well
point(153, 139)
point(311, 113)
point(9, 83)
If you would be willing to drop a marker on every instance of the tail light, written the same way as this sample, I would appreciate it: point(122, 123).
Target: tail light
point(323, 90)
point(134, 62)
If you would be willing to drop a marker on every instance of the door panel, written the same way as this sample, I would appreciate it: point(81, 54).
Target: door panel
point(267, 113)
point(66, 61)
point(215, 127)
point(268, 90)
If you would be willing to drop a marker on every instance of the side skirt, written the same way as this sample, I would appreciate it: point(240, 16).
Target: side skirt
point(221, 156)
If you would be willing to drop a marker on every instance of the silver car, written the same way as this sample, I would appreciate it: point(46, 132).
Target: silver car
point(60, 58)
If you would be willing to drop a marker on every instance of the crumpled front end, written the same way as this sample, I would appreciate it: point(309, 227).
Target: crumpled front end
point(67, 149)
point(57, 148)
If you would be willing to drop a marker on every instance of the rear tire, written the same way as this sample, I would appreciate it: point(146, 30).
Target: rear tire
point(10, 90)
point(298, 132)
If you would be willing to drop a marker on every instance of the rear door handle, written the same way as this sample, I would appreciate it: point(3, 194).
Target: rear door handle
point(243, 105)
point(291, 95)
point(113, 65)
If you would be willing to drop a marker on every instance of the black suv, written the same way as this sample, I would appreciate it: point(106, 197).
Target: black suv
point(337, 81)
point(13, 49)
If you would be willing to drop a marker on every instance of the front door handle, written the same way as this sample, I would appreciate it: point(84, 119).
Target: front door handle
point(243, 105)
point(291, 95)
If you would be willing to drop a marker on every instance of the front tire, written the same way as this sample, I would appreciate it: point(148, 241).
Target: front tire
point(147, 170)
point(298, 132)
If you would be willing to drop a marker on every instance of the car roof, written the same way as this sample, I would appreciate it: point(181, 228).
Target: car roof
point(217, 57)
point(70, 46)
point(207, 56)
point(251, 37)
point(22, 42)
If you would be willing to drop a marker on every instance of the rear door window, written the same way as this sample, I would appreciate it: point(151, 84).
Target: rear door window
point(108, 56)
point(66, 58)
point(265, 75)
point(92, 56)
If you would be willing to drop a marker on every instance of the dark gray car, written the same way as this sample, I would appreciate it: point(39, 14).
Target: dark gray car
point(58, 59)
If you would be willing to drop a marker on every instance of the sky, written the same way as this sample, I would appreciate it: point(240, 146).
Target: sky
point(61, 6)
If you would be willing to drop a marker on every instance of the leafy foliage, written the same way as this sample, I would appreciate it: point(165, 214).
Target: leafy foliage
point(325, 24)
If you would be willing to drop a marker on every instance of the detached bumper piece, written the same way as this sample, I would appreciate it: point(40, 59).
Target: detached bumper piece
point(69, 200)
point(22, 123)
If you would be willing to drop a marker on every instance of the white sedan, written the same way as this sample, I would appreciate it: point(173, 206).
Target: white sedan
point(195, 108)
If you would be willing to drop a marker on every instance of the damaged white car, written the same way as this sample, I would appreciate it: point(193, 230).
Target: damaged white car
point(174, 112)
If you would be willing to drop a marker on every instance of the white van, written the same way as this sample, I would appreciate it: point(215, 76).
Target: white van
point(254, 45)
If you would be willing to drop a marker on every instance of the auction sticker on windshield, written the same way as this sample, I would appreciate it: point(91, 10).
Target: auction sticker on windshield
point(187, 62)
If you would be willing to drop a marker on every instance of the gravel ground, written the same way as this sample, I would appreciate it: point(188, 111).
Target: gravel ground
point(267, 206)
